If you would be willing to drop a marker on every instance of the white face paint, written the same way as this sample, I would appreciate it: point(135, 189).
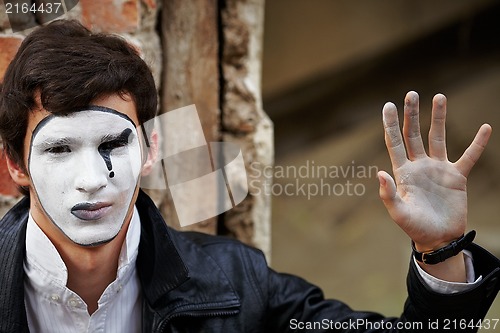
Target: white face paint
point(84, 168)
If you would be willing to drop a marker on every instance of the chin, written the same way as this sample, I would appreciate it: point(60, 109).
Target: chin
point(93, 243)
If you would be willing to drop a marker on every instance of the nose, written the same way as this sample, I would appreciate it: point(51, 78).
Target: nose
point(90, 172)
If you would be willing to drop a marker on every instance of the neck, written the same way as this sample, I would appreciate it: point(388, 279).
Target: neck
point(91, 270)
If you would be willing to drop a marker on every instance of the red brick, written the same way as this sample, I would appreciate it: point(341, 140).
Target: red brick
point(116, 16)
point(7, 185)
point(9, 46)
point(150, 3)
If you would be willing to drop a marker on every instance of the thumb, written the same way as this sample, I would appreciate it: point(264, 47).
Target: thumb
point(387, 190)
point(390, 197)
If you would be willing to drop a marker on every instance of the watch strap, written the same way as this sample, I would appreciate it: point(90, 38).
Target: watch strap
point(450, 250)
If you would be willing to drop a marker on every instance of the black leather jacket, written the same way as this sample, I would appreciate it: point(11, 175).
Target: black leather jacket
point(193, 282)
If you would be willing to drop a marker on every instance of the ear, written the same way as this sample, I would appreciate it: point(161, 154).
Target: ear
point(152, 154)
point(17, 173)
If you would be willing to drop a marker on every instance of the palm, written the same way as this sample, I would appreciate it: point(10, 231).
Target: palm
point(434, 199)
point(428, 198)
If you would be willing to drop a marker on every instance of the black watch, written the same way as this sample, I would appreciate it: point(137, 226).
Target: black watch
point(450, 250)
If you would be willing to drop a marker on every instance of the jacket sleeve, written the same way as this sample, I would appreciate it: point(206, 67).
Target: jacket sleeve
point(294, 305)
point(455, 312)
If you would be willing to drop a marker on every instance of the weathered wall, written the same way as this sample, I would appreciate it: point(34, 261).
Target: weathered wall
point(243, 119)
point(191, 76)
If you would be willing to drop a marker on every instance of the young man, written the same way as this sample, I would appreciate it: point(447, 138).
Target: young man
point(87, 251)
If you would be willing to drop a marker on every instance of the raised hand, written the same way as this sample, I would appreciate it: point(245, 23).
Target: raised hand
point(428, 196)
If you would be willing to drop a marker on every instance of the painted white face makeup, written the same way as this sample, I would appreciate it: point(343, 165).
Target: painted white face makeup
point(84, 168)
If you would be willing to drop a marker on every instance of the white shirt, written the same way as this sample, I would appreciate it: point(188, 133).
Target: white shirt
point(52, 307)
point(445, 287)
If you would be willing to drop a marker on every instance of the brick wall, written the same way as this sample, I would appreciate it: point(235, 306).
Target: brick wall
point(8, 190)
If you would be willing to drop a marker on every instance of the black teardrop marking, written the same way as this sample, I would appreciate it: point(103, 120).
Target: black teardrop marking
point(105, 151)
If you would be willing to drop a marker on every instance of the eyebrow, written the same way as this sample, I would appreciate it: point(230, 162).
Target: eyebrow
point(122, 136)
point(52, 142)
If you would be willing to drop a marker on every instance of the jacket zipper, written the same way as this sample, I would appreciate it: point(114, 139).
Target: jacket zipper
point(194, 313)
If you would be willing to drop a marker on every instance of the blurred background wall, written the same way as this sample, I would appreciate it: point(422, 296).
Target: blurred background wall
point(328, 68)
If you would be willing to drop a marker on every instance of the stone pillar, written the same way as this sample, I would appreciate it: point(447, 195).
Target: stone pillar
point(243, 119)
point(191, 76)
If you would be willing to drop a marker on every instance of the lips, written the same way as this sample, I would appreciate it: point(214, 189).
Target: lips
point(90, 211)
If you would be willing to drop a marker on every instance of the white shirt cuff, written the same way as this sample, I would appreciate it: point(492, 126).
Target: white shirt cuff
point(445, 287)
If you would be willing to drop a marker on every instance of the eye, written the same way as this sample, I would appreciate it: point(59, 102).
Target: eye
point(58, 150)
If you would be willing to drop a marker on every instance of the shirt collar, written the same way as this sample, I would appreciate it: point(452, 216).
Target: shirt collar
point(42, 253)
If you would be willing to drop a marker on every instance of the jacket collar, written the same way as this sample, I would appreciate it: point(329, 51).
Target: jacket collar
point(176, 273)
point(159, 264)
point(12, 252)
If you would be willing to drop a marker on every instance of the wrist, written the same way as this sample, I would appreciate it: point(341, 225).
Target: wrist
point(436, 244)
point(451, 270)
point(432, 257)
point(421, 247)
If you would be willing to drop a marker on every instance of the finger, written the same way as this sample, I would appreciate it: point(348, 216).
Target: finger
point(437, 132)
point(474, 151)
point(390, 197)
point(411, 127)
point(393, 138)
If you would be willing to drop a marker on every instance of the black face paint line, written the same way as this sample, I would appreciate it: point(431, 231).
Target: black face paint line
point(106, 148)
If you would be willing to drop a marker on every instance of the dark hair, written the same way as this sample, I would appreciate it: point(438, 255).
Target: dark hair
point(69, 66)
